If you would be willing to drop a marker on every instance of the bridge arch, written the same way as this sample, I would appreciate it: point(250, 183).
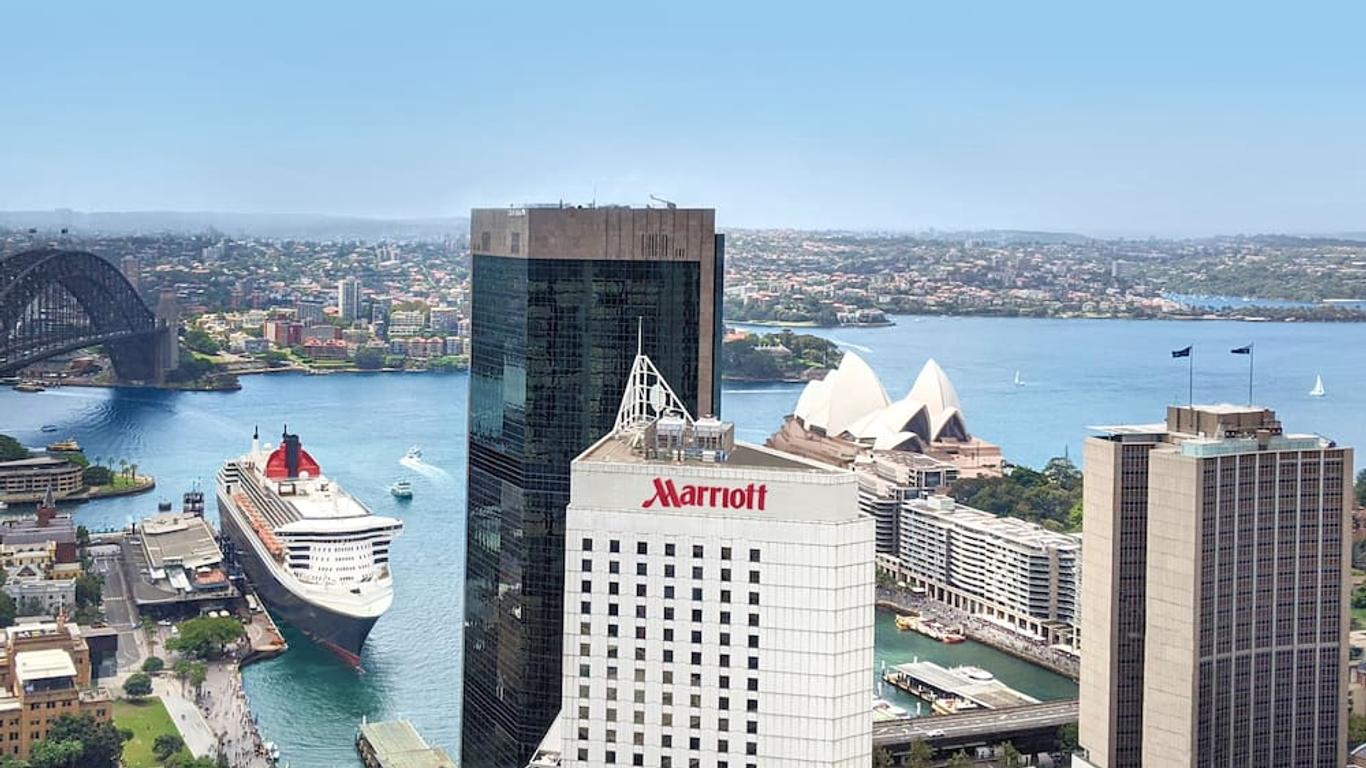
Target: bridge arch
point(54, 301)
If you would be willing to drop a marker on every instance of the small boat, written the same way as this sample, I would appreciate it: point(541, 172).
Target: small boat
point(904, 623)
point(28, 386)
point(1318, 390)
point(414, 454)
point(49, 428)
point(402, 489)
point(68, 445)
point(1019, 382)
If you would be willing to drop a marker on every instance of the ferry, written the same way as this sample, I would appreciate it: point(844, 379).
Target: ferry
point(68, 445)
point(402, 490)
point(315, 554)
point(414, 454)
point(48, 428)
point(29, 386)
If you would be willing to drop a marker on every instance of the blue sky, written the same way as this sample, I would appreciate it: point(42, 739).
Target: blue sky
point(1153, 117)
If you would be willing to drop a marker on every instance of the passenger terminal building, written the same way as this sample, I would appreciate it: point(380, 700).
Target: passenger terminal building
point(718, 600)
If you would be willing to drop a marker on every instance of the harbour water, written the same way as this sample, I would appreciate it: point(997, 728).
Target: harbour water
point(1076, 372)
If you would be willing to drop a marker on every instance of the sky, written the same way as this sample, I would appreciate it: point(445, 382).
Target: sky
point(1159, 118)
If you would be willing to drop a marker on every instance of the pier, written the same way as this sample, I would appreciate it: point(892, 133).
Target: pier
point(949, 691)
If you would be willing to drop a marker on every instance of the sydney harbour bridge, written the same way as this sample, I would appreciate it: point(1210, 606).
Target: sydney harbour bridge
point(55, 301)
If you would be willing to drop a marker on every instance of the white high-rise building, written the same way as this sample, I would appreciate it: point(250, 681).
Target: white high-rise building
point(718, 600)
point(348, 298)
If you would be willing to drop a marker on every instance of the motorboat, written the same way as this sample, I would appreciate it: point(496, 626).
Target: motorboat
point(402, 490)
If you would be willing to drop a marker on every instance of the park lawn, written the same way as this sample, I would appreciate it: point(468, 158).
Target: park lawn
point(147, 719)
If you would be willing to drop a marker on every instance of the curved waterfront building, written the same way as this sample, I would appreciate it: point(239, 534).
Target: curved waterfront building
point(314, 553)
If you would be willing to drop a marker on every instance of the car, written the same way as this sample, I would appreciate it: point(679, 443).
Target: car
point(164, 623)
point(934, 734)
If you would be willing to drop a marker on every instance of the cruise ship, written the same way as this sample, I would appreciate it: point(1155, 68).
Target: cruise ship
point(315, 554)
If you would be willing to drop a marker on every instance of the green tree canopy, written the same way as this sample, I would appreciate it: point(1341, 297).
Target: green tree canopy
point(97, 475)
point(167, 744)
point(101, 742)
point(11, 450)
point(137, 685)
point(153, 664)
point(200, 341)
point(50, 753)
point(1361, 488)
point(8, 610)
point(205, 637)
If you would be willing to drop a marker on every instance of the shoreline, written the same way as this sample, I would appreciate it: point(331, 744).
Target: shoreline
point(886, 602)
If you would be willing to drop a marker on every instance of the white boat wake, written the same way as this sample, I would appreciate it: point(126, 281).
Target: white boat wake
point(423, 468)
point(855, 347)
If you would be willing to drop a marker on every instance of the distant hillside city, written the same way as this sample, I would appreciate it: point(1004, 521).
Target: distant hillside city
point(372, 295)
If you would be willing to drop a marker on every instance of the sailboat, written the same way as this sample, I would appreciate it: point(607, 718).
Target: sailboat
point(1019, 382)
point(1318, 390)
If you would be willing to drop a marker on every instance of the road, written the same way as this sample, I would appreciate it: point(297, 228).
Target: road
point(119, 608)
point(976, 725)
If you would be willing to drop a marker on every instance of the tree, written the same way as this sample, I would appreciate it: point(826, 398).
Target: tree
point(882, 758)
point(190, 672)
point(97, 475)
point(960, 759)
point(82, 537)
point(31, 606)
point(89, 589)
point(1356, 730)
point(153, 665)
point(205, 637)
point(101, 743)
point(200, 341)
point(1067, 738)
point(8, 611)
point(1361, 488)
point(920, 754)
point(1011, 755)
point(137, 685)
point(369, 358)
point(167, 744)
point(11, 450)
point(51, 753)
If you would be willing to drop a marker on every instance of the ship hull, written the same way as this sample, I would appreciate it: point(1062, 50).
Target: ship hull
point(342, 634)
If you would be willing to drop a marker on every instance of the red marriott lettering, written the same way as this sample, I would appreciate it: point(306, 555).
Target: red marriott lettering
point(714, 496)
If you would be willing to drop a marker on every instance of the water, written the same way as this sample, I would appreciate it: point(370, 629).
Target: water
point(358, 428)
point(1077, 372)
point(1093, 372)
point(897, 647)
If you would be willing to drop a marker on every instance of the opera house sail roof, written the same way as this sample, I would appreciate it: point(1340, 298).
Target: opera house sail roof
point(848, 412)
point(851, 403)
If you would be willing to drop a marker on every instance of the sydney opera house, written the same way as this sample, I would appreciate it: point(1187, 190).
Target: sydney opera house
point(847, 416)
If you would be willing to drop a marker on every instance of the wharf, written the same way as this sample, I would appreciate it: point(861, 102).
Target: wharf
point(397, 744)
point(264, 637)
point(957, 689)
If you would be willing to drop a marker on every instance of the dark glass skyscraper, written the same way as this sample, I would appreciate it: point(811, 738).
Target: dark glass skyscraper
point(558, 297)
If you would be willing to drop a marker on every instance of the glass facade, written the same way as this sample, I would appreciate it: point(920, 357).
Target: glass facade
point(553, 341)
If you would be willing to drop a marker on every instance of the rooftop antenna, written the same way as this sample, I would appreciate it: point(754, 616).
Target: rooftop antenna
point(667, 203)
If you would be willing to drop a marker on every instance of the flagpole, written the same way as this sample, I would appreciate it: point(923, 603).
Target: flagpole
point(1251, 356)
point(1190, 378)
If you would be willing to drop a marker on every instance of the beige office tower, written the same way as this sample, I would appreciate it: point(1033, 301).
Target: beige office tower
point(1214, 598)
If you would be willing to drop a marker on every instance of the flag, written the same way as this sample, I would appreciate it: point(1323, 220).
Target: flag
point(1242, 350)
point(1181, 352)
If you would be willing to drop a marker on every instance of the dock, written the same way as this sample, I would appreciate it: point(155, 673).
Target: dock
point(959, 689)
point(397, 744)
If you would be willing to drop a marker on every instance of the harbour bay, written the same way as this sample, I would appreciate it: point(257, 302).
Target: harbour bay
point(1074, 373)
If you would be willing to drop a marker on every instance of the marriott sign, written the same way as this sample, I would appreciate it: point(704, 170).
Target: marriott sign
point(667, 494)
